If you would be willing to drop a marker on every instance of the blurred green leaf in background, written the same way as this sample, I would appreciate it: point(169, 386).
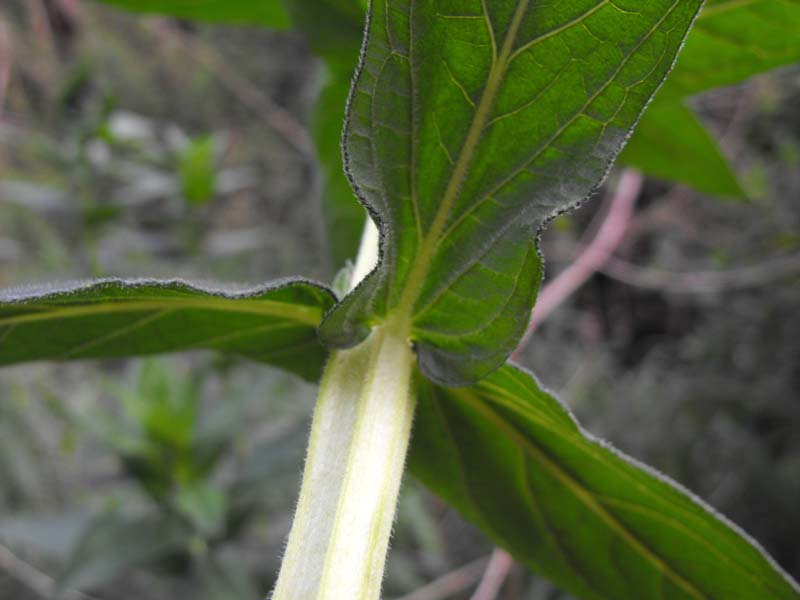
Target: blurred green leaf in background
point(731, 41)
point(198, 170)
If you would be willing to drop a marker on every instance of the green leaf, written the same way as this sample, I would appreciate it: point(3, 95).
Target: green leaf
point(114, 318)
point(731, 41)
point(163, 406)
point(205, 506)
point(268, 13)
point(332, 28)
point(197, 170)
point(513, 460)
point(671, 144)
point(470, 125)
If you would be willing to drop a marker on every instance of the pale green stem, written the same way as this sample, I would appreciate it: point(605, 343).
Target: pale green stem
point(359, 436)
point(367, 253)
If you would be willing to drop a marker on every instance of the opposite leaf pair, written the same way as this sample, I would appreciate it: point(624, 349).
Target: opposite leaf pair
point(470, 125)
point(505, 453)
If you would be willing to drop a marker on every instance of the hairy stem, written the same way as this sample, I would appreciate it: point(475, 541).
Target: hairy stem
point(359, 437)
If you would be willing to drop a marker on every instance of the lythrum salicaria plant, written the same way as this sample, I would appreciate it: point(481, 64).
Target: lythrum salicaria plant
point(470, 124)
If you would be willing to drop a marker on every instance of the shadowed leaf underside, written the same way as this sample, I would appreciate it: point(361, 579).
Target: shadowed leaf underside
point(114, 318)
point(470, 125)
point(513, 460)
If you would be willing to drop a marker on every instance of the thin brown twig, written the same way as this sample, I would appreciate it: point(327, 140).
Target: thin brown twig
point(450, 583)
point(495, 576)
point(620, 206)
point(275, 116)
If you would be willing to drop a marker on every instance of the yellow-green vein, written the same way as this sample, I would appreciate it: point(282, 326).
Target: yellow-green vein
point(581, 493)
point(426, 249)
point(310, 315)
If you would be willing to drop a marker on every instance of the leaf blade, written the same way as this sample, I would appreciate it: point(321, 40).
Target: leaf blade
point(671, 144)
point(460, 188)
point(116, 318)
point(731, 41)
point(512, 459)
point(197, 170)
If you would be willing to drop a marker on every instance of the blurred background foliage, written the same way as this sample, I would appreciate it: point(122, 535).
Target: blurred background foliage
point(143, 146)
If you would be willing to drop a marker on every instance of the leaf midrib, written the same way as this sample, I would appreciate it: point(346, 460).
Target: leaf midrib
point(310, 315)
point(478, 513)
point(511, 402)
point(448, 228)
point(543, 147)
point(584, 495)
point(427, 249)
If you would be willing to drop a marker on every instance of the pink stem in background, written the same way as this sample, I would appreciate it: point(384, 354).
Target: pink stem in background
point(451, 583)
point(620, 206)
point(71, 8)
point(40, 23)
point(5, 63)
point(495, 575)
point(593, 257)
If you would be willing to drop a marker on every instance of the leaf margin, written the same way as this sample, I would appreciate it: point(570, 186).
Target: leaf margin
point(346, 338)
point(418, 463)
point(35, 303)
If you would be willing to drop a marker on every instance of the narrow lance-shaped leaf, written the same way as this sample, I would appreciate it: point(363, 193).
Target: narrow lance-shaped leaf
point(731, 41)
point(113, 318)
point(670, 143)
point(513, 460)
point(470, 125)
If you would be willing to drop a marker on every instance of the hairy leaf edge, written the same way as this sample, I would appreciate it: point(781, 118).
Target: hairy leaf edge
point(655, 473)
point(21, 294)
point(383, 228)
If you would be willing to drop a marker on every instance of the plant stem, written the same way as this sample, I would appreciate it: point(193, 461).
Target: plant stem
point(356, 454)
